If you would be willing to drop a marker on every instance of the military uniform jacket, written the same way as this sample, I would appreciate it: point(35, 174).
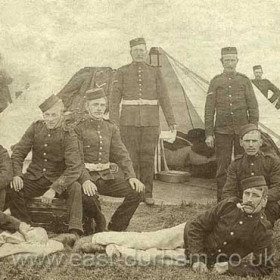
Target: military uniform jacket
point(264, 85)
point(8, 223)
point(225, 230)
point(55, 155)
point(260, 165)
point(100, 144)
point(6, 173)
point(231, 102)
point(137, 81)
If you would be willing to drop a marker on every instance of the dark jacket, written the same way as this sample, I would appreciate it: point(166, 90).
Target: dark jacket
point(225, 231)
point(245, 166)
point(55, 155)
point(231, 101)
point(139, 81)
point(264, 85)
point(6, 173)
point(101, 143)
point(5, 96)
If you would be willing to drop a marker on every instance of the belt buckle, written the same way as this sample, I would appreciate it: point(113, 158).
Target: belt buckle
point(98, 166)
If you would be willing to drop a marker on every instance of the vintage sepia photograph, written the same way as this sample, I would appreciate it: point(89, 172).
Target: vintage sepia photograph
point(139, 139)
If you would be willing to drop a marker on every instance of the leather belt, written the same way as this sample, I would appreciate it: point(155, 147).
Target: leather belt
point(140, 101)
point(97, 166)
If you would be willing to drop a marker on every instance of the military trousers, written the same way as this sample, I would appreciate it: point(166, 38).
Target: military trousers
point(224, 143)
point(115, 188)
point(141, 144)
point(35, 188)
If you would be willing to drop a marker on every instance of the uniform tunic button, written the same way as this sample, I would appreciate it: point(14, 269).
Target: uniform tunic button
point(49, 135)
point(44, 169)
point(231, 233)
point(44, 154)
point(46, 145)
point(140, 80)
point(241, 222)
point(229, 95)
point(229, 78)
point(252, 163)
point(46, 159)
point(100, 148)
point(99, 159)
point(219, 250)
point(252, 173)
point(85, 97)
point(100, 137)
point(230, 104)
point(231, 113)
point(100, 153)
point(229, 86)
point(225, 243)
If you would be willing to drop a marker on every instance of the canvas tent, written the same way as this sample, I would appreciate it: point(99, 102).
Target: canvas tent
point(187, 91)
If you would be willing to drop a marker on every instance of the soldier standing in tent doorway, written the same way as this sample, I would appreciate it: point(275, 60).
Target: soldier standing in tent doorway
point(231, 101)
point(264, 85)
point(141, 89)
point(5, 80)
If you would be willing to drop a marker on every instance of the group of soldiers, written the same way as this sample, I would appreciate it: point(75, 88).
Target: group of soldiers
point(75, 163)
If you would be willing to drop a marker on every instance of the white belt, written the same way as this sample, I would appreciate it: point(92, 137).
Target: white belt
point(97, 167)
point(140, 102)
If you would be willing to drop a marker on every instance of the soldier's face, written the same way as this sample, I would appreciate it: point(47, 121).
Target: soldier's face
point(97, 108)
point(251, 142)
point(139, 53)
point(253, 200)
point(258, 73)
point(53, 116)
point(229, 62)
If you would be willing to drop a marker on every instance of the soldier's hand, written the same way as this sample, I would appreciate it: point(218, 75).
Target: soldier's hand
point(199, 267)
point(17, 183)
point(220, 268)
point(89, 188)
point(48, 196)
point(136, 184)
point(210, 141)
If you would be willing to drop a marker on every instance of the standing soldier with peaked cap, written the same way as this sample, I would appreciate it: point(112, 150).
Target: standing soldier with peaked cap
point(231, 102)
point(264, 85)
point(140, 88)
point(255, 163)
point(101, 143)
point(54, 169)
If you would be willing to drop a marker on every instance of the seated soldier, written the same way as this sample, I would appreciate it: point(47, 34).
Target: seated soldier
point(102, 143)
point(54, 169)
point(6, 175)
point(253, 162)
point(219, 237)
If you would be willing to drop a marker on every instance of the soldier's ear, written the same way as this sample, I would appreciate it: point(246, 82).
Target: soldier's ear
point(241, 142)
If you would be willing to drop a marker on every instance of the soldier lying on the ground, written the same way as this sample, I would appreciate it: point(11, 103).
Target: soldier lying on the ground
point(54, 169)
point(219, 237)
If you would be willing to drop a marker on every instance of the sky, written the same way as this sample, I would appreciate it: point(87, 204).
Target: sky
point(44, 42)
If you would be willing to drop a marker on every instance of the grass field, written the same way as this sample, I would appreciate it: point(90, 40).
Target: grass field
point(146, 218)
